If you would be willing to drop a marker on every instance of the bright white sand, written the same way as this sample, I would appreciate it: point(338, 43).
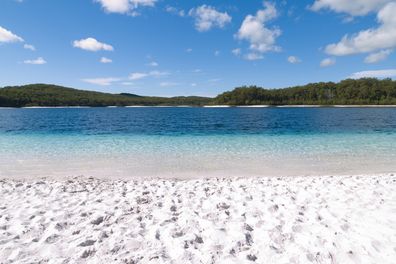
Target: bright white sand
point(264, 220)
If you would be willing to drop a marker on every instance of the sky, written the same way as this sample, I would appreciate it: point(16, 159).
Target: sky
point(169, 47)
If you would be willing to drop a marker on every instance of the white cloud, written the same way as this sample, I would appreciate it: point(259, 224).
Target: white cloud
point(125, 6)
point(115, 6)
point(327, 62)
point(217, 53)
point(8, 37)
point(158, 73)
point(382, 37)
point(348, 19)
point(29, 47)
point(207, 17)
point(236, 52)
point(153, 64)
point(38, 61)
point(102, 81)
point(193, 84)
point(171, 9)
point(137, 75)
point(374, 74)
point(253, 56)
point(351, 7)
point(189, 50)
point(293, 59)
point(92, 44)
point(127, 83)
point(105, 60)
point(175, 11)
point(253, 29)
point(142, 75)
point(378, 56)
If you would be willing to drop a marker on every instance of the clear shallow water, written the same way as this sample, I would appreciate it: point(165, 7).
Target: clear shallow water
point(175, 142)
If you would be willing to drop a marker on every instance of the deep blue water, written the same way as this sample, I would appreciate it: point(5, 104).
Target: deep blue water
point(197, 121)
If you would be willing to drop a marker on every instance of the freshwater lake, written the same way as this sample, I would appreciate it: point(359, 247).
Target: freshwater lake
point(186, 142)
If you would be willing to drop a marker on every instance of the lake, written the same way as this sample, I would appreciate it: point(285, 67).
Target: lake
point(196, 142)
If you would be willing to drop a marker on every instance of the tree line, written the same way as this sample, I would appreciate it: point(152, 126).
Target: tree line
point(52, 95)
point(366, 91)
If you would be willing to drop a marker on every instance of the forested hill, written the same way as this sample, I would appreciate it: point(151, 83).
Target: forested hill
point(52, 95)
point(348, 92)
point(367, 91)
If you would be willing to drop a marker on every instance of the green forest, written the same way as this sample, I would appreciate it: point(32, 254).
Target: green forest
point(367, 91)
point(53, 95)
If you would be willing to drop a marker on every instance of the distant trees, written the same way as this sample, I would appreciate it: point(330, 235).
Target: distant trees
point(52, 95)
point(349, 92)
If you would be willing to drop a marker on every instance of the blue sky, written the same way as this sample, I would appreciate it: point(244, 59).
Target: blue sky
point(166, 48)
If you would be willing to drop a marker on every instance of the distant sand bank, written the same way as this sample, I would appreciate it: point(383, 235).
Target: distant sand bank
point(210, 106)
point(350, 219)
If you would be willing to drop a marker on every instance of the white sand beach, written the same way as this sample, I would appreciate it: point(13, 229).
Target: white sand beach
point(324, 219)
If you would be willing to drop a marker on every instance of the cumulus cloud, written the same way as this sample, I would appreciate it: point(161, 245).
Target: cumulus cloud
point(8, 37)
point(38, 61)
point(370, 40)
point(374, 74)
point(351, 7)
point(92, 44)
point(125, 6)
point(254, 29)
point(327, 62)
point(102, 81)
point(378, 56)
point(29, 47)
point(293, 59)
point(207, 17)
point(105, 60)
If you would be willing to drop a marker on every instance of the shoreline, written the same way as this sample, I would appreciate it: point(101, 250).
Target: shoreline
point(220, 220)
point(207, 106)
point(188, 177)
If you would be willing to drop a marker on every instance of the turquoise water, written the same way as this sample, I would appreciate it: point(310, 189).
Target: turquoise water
point(176, 141)
point(269, 145)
